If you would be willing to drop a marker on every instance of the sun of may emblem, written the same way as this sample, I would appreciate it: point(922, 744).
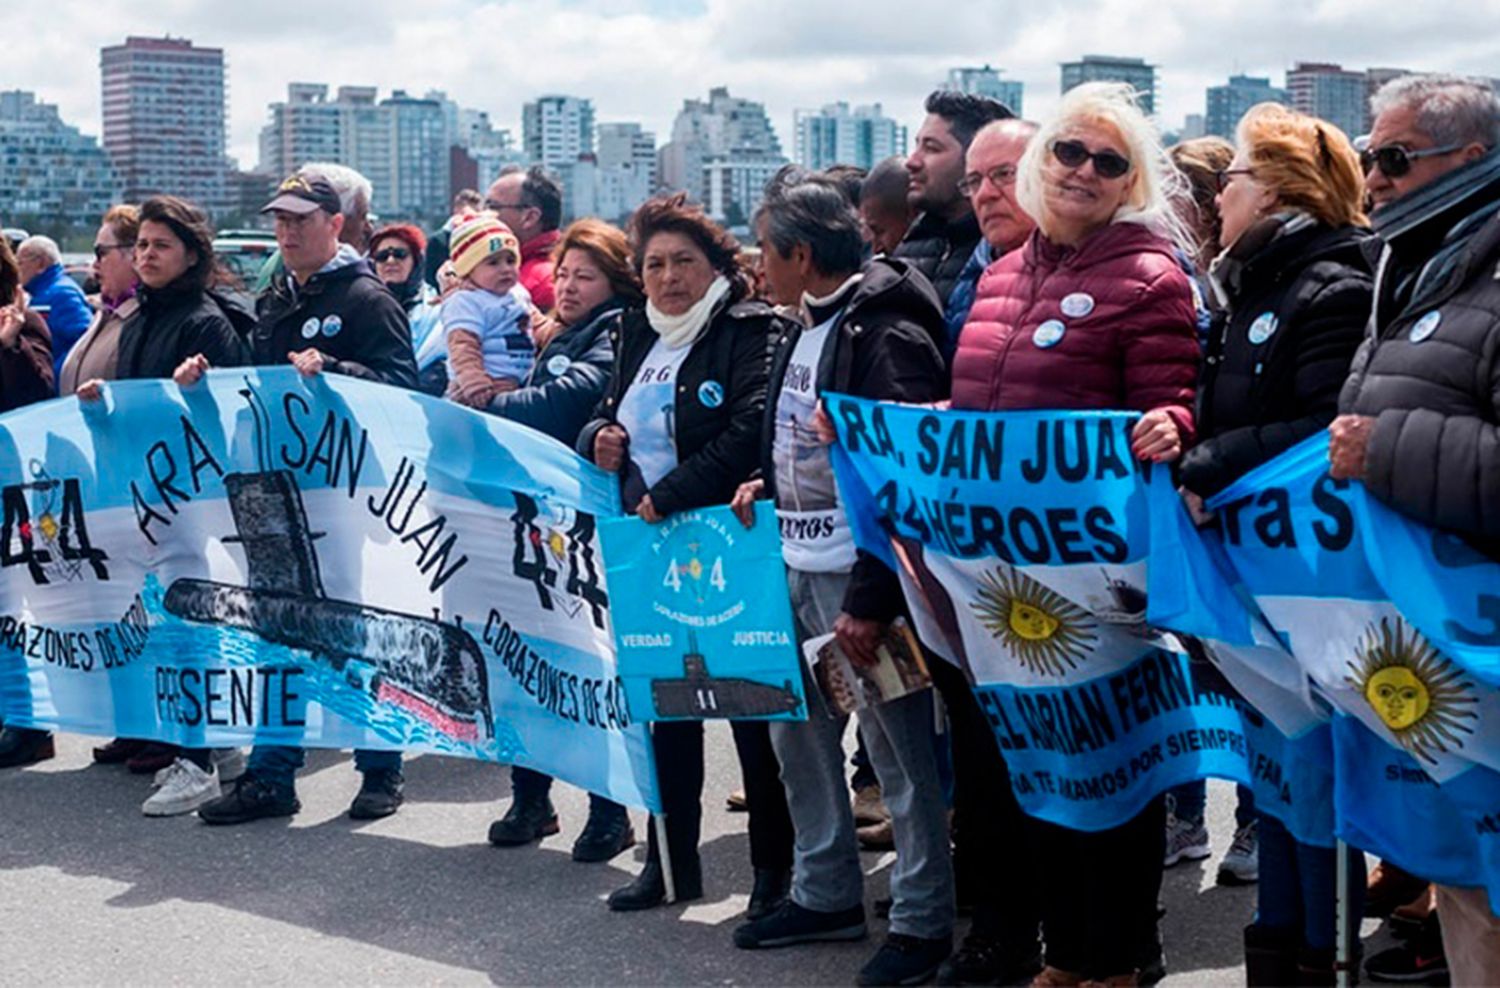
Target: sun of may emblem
point(1047, 633)
point(1416, 692)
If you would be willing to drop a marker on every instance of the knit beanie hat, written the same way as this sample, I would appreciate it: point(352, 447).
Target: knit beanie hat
point(475, 238)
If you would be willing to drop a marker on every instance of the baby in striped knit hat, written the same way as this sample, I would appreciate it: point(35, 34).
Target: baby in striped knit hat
point(486, 323)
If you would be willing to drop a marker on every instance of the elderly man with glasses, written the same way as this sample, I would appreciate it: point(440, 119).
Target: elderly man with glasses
point(1421, 409)
point(529, 201)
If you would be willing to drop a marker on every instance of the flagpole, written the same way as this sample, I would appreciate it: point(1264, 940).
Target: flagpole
point(1345, 923)
point(659, 821)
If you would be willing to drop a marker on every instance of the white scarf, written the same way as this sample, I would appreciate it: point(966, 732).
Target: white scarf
point(684, 330)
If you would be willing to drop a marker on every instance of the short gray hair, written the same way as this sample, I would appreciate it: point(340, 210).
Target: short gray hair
point(1450, 109)
point(45, 246)
point(351, 186)
point(800, 207)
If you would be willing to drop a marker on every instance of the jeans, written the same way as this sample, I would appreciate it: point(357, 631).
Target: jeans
point(898, 736)
point(277, 764)
point(1189, 799)
point(1299, 884)
point(526, 783)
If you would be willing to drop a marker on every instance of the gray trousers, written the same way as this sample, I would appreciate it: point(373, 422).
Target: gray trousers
point(826, 872)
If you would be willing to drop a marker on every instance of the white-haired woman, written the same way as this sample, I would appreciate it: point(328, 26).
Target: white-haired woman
point(1094, 312)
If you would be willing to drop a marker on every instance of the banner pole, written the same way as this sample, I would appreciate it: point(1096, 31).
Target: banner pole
point(1345, 923)
point(659, 821)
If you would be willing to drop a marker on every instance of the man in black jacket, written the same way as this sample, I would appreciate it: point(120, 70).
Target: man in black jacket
point(940, 241)
point(871, 331)
point(327, 312)
point(1421, 409)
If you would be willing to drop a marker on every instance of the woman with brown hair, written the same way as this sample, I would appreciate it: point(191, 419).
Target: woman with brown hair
point(596, 282)
point(680, 422)
point(1293, 289)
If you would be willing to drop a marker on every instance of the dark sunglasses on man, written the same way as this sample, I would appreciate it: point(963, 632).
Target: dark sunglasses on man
point(101, 249)
point(391, 254)
point(1395, 160)
point(1107, 163)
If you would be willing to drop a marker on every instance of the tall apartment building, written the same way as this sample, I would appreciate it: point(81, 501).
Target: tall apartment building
point(625, 173)
point(836, 135)
point(1110, 68)
point(985, 81)
point(556, 130)
point(733, 135)
point(1227, 103)
point(48, 169)
point(163, 101)
point(419, 158)
point(1332, 92)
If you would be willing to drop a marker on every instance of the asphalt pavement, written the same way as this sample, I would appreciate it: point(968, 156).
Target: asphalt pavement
point(94, 893)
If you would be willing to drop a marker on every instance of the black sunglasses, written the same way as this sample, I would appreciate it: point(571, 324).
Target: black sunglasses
point(1107, 163)
point(101, 249)
point(398, 253)
point(1223, 176)
point(1395, 160)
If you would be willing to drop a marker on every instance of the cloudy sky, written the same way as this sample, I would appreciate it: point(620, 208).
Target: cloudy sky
point(637, 59)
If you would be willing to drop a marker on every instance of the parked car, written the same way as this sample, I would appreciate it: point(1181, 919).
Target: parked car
point(245, 252)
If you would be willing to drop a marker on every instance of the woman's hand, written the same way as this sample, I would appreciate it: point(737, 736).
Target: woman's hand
point(1155, 438)
point(309, 362)
point(610, 444)
point(646, 511)
point(190, 371)
point(1348, 443)
point(823, 425)
point(1201, 515)
point(12, 318)
point(91, 390)
point(743, 503)
point(858, 637)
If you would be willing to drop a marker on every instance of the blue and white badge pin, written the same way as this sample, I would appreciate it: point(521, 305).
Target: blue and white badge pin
point(558, 365)
point(1077, 305)
point(1263, 327)
point(1425, 326)
point(332, 325)
point(1049, 334)
point(711, 393)
point(310, 328)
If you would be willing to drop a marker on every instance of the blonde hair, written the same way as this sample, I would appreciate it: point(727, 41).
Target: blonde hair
point(1308, 163)
point(1155, 183)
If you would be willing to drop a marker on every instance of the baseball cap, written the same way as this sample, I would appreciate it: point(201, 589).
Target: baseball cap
point(297, 194)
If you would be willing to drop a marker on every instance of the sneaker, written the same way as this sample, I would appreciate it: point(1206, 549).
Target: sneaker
point(380, 795)
point(877, 837)
point(185, 788)
point(118, 751)
point(1241, 866)
point(1187, 840)
point(791, 924)
point(905, 960)
point(230, 762)
point(1418, 961)
point(986, 960)
point(869, 808)
point(528, 819)
point(252, 798)
point(25, 746)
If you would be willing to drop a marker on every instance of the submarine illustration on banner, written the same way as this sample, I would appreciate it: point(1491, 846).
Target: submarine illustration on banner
point(700, 695)
point(430, 668)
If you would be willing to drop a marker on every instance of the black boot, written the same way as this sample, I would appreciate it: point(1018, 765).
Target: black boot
point(25, 746)
point(649, 889)
point(530, 818)
point(380, 794)
point(772, 886)
point(1270, 957)
point(607, 833)
point(1315, 967)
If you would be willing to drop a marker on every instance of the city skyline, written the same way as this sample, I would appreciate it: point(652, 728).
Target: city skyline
point(785, 55)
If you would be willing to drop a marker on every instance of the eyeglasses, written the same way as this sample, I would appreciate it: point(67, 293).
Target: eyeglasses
point(102, 249)
point(495, 207)
point(1223, 175)
point(1000, 176)
point(1395, 160)
point(1107, 163)
point(391, 253)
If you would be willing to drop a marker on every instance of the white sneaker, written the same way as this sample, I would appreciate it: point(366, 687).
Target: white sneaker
point(230, 763)
point(185, 788)
point(1187, 840)
point(1241, 866)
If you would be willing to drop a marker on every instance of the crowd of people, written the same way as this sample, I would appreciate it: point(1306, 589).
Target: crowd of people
point(1241, 297)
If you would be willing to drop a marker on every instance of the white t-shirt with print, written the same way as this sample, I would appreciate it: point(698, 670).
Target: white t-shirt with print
point(648, 412)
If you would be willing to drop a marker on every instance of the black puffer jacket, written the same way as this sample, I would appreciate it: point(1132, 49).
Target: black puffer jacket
point(174, 323)
point(939, 249)
point(1261, 394)
point(568, 380)
point(1429, 373)
point(347, 314)
point(887, 348)
point(717, 447)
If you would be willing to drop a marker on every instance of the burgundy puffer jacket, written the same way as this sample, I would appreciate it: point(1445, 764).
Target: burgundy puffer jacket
point(1110, 324)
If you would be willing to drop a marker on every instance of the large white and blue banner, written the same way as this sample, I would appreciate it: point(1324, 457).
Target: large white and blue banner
point(1022, 540)
point(704, 622)
point(1391, 624)
point(324, 562)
